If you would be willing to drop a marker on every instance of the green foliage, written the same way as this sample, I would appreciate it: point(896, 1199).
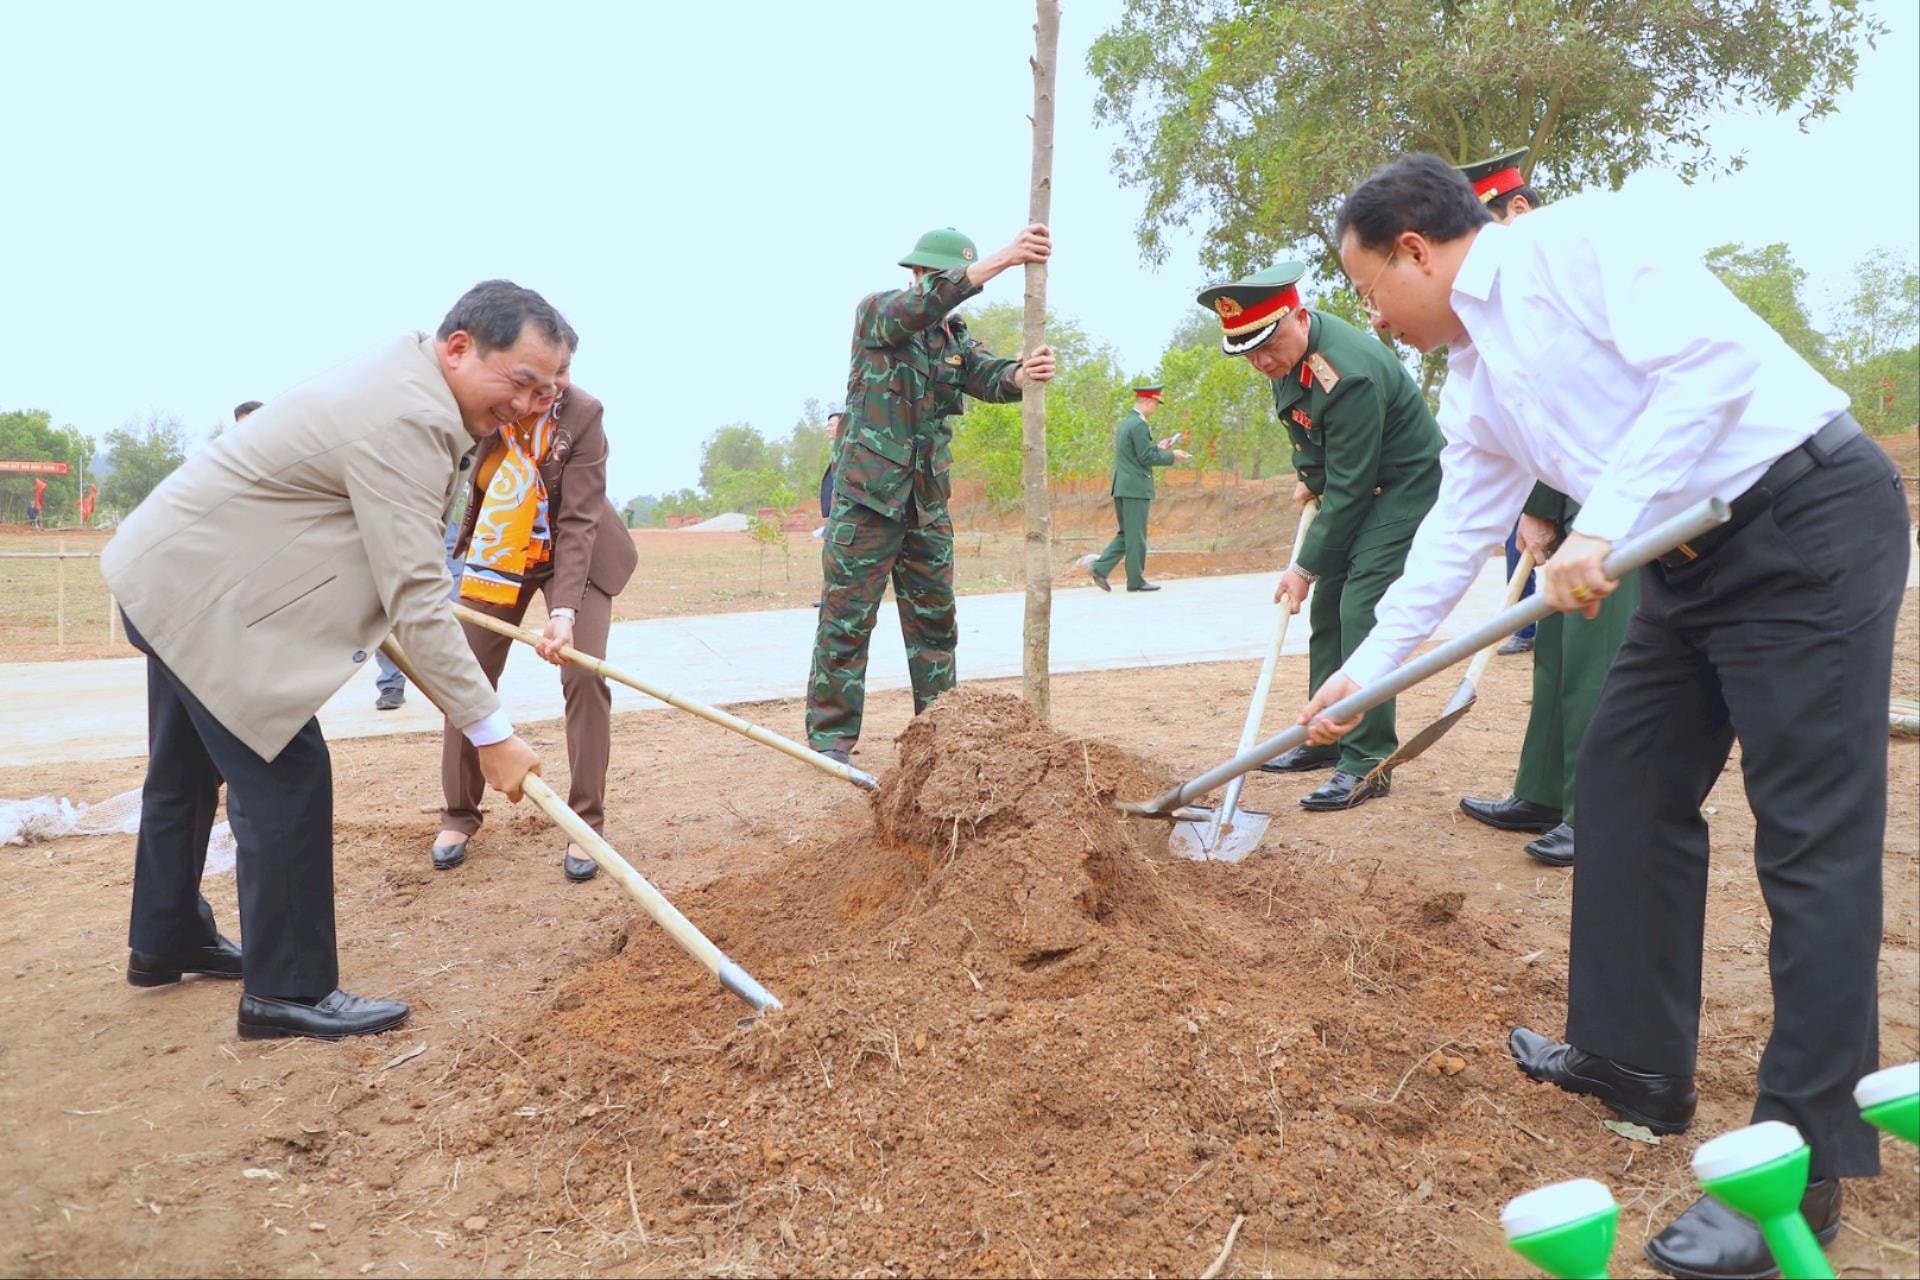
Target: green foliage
point(1084, 400)
point(28, 435)
point(772, 532)
point(1875, 343)
point(139, 456)
point(1250, 119)
point(1769, 282)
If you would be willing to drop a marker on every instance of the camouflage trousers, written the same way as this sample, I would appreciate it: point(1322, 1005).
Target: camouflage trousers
point(864, 550)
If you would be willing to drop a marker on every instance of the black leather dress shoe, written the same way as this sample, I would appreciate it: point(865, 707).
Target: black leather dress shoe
point(1345, 790)
point(1099, 579)
point(1712, 1242)
point(218, 959)
point(1554, 848)
point(1303, 760)
point(330, 1018)
point(1512, 814)
point(842, 755)
point(579, 870)
point(1662, 1103)
point(1146, 586)
point(448, 856)
point(1518, 644)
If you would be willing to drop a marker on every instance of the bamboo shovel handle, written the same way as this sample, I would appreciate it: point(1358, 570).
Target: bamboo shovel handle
point(664, 913)
point(1250, 732)
point(651, 900)
point(726, 720)
point(1262, 687)
point(1515, 588)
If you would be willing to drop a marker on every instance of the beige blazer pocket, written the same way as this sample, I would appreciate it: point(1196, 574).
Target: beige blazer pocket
point(264, 602)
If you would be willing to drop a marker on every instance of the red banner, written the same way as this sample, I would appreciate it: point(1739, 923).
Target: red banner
point(35, 468)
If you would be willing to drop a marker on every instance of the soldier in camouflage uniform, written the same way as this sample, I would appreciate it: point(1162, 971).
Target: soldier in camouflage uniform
point(912, 365)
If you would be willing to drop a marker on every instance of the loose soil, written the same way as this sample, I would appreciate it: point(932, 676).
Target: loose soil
point(1019, 1036)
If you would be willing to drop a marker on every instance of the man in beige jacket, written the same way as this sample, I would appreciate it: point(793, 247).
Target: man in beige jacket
point(257, 578)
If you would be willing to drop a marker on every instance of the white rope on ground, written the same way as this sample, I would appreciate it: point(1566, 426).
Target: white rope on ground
point(45, 818)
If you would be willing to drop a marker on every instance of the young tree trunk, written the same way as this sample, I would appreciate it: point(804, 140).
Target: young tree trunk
point(1037, 632)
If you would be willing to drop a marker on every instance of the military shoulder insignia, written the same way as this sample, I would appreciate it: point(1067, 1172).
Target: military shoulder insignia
point(955, 359)
point(1328, 376)
point(1227, 308)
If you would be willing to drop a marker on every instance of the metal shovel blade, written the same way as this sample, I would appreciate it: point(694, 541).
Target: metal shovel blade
point(1463, 699)
point(1196, 839)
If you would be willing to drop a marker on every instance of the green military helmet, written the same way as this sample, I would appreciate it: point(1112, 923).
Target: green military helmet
point(1496, 176)
point(1251, 310)
point(942, 250)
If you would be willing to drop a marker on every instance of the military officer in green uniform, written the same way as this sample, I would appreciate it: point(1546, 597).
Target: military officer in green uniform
point(913, 365)
point(1135, 454)
point(1364, 444)
point(1571, 654)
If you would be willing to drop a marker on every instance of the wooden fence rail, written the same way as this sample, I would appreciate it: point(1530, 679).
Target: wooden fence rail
point(60, 587)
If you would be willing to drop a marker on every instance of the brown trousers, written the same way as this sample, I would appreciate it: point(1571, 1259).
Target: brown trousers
point(589, 715)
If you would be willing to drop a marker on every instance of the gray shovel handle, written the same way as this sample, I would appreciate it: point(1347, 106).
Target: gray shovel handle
point(1626, 557)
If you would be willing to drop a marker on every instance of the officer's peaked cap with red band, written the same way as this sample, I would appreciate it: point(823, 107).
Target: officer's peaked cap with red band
point(1250, 310)
point(1497, 176)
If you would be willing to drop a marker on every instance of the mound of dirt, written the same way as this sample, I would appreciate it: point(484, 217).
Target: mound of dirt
point(1021, 1038)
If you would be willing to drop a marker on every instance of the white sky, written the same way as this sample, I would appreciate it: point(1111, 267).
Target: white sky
point(211, 202)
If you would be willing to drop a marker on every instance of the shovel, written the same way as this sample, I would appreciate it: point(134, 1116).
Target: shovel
point(1230, 834)
point(746, 729)
point(1626, 556)
point(664, 913)
point(1469, 691)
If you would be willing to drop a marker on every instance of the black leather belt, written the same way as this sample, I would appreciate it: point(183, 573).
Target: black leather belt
point(1815, 451)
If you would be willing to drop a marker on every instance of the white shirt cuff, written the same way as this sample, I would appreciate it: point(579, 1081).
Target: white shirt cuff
point(494, 728)
point(1365, 669)
point(1607, 515)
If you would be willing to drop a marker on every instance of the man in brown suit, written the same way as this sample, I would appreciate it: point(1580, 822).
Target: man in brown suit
point(592, 558)
point(257, 578)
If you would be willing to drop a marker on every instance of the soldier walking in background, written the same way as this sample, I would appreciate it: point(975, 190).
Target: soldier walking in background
point(913, 365)
point(1366, 445)
point(1135, 455)
point(1571, 653)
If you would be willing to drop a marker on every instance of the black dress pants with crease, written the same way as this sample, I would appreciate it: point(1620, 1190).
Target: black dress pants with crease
point(282, 816)
point(1783, 638)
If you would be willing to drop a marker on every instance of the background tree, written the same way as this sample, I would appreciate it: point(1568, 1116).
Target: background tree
point(138, 457)
point(28, 435)
point(1874, 343)
point(1769, 282)
point(1251, 119)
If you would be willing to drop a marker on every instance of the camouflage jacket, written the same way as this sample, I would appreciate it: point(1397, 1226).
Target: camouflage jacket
point(912, 365)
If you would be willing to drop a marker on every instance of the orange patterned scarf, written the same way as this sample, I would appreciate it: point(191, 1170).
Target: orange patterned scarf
point(511, 534)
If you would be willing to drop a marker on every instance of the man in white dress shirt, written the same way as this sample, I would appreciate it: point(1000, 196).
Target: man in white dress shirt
point(1582, 354)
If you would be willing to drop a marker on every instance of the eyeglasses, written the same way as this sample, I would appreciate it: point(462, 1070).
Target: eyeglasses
point(1366, 299)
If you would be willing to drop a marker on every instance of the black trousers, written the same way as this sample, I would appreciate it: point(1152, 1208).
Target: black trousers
point(282, 816)
point(1783, 638)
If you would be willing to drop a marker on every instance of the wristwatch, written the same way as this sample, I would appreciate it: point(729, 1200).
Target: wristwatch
point(1308, 574)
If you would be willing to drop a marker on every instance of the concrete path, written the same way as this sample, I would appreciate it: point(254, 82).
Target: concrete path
point(97, 710)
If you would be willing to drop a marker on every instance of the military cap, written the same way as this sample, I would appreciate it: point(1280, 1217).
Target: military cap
point(942, 250)
point(1495, 177)
point(836, 410)
point(1251, 309)
point(1148, 391)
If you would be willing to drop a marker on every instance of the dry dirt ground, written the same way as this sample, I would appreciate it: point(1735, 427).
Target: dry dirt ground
point(1018, 1040)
